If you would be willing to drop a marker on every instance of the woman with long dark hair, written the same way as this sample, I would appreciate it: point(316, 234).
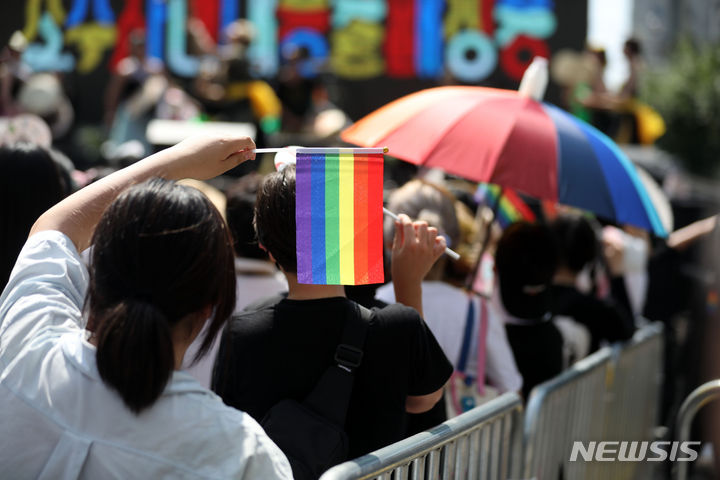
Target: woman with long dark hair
point(90, 382)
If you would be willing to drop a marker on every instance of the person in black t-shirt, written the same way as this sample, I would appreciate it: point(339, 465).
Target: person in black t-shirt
point(279, 348)
point(525, 262)
point(577, 247)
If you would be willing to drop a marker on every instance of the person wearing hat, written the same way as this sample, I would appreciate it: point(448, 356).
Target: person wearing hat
point(525, 263)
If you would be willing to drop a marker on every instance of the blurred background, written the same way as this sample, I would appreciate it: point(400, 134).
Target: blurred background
point(349, 57)
point(107, 82)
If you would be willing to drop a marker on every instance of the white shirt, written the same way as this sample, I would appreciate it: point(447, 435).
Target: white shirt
point(445, 312)
point(59, 420)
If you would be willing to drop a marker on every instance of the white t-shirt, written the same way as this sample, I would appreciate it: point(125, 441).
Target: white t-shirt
point(59, 420)
point(445, 311)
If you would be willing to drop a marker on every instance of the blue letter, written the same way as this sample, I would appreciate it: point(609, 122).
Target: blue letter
point(316, 45)
point(178, 59)
point(428, 38)
point(475, 69)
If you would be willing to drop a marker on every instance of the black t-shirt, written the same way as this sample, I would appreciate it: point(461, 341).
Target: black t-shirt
point(604, 320)
point(281, 349)
point(538, 351)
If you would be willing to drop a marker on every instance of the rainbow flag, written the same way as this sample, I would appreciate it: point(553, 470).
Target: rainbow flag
point(339, 217)
point(511, 209)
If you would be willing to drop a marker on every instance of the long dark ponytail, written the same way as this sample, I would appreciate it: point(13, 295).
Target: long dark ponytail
point(161, 252)
point(145, 373)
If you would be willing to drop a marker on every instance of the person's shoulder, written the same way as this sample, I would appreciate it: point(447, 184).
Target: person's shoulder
point(396, 317)
point(241, 438)
point(236, 421)
point(45, 289)
point(256, 319)
point(266, 303)
point(208, 409)
point(48, 243)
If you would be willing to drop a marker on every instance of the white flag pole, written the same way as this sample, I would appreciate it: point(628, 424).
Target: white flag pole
point(323, 149)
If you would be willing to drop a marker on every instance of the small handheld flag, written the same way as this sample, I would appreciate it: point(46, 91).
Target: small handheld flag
point(339, 215)
point(511, 208)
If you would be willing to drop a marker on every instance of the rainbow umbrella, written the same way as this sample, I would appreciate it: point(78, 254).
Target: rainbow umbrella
point(506, 138)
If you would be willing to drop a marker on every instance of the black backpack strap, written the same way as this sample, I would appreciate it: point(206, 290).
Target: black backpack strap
point(331, 396)
point(349, 352)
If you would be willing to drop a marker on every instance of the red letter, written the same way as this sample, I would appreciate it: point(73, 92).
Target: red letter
point(399, 39)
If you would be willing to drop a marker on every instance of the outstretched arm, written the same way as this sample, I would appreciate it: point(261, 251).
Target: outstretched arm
point(199, 158)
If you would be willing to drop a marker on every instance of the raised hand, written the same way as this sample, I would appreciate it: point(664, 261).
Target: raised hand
point(203, 158)
point(416, 248)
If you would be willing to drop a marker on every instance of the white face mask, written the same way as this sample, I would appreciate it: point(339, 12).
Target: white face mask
point(584, 282)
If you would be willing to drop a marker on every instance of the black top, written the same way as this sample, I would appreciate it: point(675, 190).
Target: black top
point(604, 320)
point(538, 351)
point(281, 349)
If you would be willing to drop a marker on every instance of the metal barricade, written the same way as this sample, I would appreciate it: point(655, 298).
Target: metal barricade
point(633, 409)
point(611, 395)
point(484, 443)
point(565, 409)
point(699, 397)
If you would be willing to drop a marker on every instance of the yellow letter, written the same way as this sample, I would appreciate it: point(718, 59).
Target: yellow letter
point(92, 39)
point(32, 15)
point(461, 14)
point(356, 50)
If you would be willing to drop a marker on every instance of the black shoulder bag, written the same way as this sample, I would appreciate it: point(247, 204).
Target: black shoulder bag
point(312, 434)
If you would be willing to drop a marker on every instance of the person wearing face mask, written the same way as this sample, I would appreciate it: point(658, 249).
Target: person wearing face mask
point(577, 247)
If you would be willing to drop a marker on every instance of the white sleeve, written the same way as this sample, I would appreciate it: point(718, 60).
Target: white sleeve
point(267, 462)
point(500, 366)
point(44, 295)
point(262, 458)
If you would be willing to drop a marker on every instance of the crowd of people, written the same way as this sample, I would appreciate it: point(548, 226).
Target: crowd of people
point(152, 325)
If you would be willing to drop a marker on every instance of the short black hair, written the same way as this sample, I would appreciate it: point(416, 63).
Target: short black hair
point(239, 212)
point(576, 242)
point(275, 217)
point(525, 260)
